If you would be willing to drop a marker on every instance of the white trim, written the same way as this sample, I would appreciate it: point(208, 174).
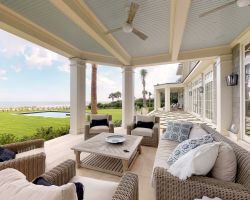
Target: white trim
point(243, 107)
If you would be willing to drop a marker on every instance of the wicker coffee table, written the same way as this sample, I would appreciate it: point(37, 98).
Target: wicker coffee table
point(109, 158)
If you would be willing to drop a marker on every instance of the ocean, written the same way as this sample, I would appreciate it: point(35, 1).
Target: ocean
point(13, 104)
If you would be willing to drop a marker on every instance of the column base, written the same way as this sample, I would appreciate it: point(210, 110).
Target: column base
point(76, 132)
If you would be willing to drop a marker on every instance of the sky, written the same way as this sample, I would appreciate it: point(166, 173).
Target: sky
point(29, 72)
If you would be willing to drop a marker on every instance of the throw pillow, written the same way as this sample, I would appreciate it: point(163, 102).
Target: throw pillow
point(141, 124)
point(79, 186)
point(6, 154)
point(197, 132)
point(198, 161)
point(177, 131)
point(225, 167)
point(100, 122)
point(145, 118)
point(186, 146)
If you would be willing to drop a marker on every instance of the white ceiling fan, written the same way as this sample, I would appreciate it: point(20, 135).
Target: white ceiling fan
point(239, 3)
point(128, 25)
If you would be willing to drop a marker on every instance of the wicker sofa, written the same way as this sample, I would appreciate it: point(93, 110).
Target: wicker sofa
point(30, 164)
point(93, 131)
point(147, 140)
point(127, 189)
point(172, 188)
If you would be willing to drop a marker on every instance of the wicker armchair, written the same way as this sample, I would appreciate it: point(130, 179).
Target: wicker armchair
point(147, 140)
point(91, 132)
point(172, 188)
point(63, 173)
point(31, 166)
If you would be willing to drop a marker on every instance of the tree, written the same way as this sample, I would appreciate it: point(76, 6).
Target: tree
point(112, 96)
point(93, 90)
point(118, 95)
point(144, 73)
point(149, 98)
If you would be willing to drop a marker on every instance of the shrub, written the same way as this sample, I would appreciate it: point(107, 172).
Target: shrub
point(46, 133)
point(7, 138)
point(117, 123)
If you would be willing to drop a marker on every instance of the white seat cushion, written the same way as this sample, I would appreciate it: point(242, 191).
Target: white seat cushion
point(96, 189)
point(30, 152)
point(98, 129)
point(142, 132)
point(13, 185)
point(164, 150)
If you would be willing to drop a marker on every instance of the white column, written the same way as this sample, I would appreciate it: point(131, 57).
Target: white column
point(167, 99)
point(128, 98)
point(77, 95)
point(157, 99)
point(224, 94)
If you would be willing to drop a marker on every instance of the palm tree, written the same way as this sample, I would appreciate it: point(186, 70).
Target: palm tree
point(112, 96)
point(149, 98)
point(93, 90)
point(144, 73)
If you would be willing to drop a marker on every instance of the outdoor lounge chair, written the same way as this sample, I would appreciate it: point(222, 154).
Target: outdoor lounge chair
point(126, 189)
point(150, 136)
point(91, 131)
point(30, 158)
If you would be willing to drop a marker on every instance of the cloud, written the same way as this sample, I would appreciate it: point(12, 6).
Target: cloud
point(37, 57)
point(16, 68)
point(64, 67)
point(3, 76)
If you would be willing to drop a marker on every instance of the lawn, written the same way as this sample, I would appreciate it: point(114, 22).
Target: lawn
point(21, 125)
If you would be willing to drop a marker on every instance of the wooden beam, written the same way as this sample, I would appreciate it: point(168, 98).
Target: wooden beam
point(178, 17)
point(241, 37)
point(151, 60)
point(204, 53)
point(18, 25)
point(82, 16)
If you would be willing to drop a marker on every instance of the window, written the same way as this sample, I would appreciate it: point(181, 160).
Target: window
point(246, 136)
point(197, 97)
point(209, 95)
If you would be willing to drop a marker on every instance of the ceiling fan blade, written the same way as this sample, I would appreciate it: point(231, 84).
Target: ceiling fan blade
point(217, 9)
point(114, 30)
point(132, 11)
point(139, 34)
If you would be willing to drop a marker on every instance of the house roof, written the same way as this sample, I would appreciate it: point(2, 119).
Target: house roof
point(174, 29)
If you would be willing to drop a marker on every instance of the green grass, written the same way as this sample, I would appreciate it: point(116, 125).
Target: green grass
point(21, 125)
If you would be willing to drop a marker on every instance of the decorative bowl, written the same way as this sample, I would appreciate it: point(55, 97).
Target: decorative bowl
point(115, 139)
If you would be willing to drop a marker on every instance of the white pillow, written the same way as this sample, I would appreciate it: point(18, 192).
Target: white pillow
point(13, 185)
point(198, 161)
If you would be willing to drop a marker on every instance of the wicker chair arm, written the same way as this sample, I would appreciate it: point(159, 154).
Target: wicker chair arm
point(61, 174)
point(170, 187)
point(86, 133)
point(130, 127)
point(32, 166)
point(127, 188)
point(25, 146)
point(111, 127)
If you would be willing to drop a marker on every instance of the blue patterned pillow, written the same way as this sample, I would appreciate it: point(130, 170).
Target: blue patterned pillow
point(177, 131)
point(188, 145)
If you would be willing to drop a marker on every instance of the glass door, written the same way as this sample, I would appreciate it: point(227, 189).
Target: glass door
point(246, 61)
